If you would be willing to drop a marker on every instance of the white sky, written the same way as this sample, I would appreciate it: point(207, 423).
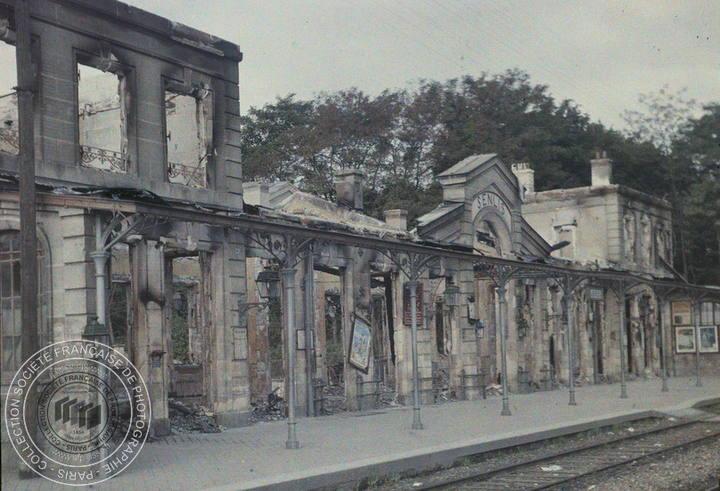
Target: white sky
point(600, 54)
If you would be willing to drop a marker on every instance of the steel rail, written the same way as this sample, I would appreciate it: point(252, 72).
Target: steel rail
point(485, 475)
point(644, 456)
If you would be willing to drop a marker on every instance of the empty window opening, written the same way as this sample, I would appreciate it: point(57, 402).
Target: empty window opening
point(119, 305)
point(119, 310)
point(10, 315)
point(9, 141)
point(188, 133)
point(334, 354)
point(102, 116)
point(440, 327)
point(185, 332)
point(275, 335)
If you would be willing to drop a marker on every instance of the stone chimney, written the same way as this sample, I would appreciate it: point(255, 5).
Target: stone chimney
point(600, 170)
point(256, 193)
point(396, 219)
point(525, 176)
point(349, 188)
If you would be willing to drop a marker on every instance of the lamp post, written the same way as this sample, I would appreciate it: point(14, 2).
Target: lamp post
point(503, 351)
point(621, 338)
point(570, 345)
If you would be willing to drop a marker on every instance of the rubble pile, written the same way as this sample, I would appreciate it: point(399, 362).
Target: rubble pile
point(583, 380)
point(334, 396)
point(493, 390)
point(388, 396)
point(441, 386)
point(191, 418)
point(272, 409)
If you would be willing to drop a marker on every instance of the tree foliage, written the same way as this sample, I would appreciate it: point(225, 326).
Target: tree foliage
point(401, 139)
point(696, 153)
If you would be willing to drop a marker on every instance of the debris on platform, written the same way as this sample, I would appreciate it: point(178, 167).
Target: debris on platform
point(494, 390)
point(334, 399)
point(191, 418)
point(441, 386)
point(273, 408)
point(388, 396)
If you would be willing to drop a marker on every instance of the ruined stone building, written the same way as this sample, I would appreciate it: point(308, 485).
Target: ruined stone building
point(220, 290)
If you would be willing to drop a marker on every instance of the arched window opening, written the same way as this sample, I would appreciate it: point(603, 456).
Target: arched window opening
point(487, 239)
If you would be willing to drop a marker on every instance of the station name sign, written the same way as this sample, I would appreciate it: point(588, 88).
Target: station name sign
point(487, 199)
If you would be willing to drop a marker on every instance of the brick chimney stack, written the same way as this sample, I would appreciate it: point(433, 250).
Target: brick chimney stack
point(600, 170)
point(526, 178)
point(349, 188)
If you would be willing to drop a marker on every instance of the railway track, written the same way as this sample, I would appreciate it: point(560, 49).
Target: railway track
point(563, 467)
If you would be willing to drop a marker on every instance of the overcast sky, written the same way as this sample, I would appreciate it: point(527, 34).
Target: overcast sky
point(600, 54)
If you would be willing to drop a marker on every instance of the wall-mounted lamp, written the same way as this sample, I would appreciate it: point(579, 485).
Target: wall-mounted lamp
point(268, 284)
point(156, 358)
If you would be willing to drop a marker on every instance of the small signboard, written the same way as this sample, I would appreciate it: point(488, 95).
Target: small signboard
point(596, 294)
point(407, 313)
point(682, 313)
point(359, 352)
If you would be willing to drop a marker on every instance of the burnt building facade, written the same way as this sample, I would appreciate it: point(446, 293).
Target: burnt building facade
point(226, 292)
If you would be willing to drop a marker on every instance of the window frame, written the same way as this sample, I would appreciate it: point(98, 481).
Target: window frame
point(128, 129)
point(190, 87)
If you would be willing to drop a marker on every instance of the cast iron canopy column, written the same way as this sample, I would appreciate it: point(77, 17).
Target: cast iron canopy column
point(619, 287)
point(412, 265)
point(697, 298)
point(288, 251)
point(106, 236)
point(501, 274)
point(567, 283)
point(662, 294)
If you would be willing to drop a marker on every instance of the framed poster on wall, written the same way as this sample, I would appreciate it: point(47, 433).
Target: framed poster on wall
point(685, 339)
point(682, 313)
point(360, 338)
point(708, 339)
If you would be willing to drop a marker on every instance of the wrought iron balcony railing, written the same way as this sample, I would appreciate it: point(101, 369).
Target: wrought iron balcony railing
point(99, 158)
point(193, 176)
point(9, 140)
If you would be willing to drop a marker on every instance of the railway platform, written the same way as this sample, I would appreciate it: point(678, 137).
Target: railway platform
point(349, 447)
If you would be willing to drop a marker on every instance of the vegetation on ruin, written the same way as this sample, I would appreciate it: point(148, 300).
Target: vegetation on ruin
point(401, 139)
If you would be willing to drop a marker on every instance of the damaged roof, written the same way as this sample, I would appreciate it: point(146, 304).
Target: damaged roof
point(181, 33)
point(285, 199)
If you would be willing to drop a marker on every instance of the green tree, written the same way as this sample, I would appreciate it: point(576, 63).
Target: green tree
point(664, 116)
point(402, 139)
point(697, 150)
